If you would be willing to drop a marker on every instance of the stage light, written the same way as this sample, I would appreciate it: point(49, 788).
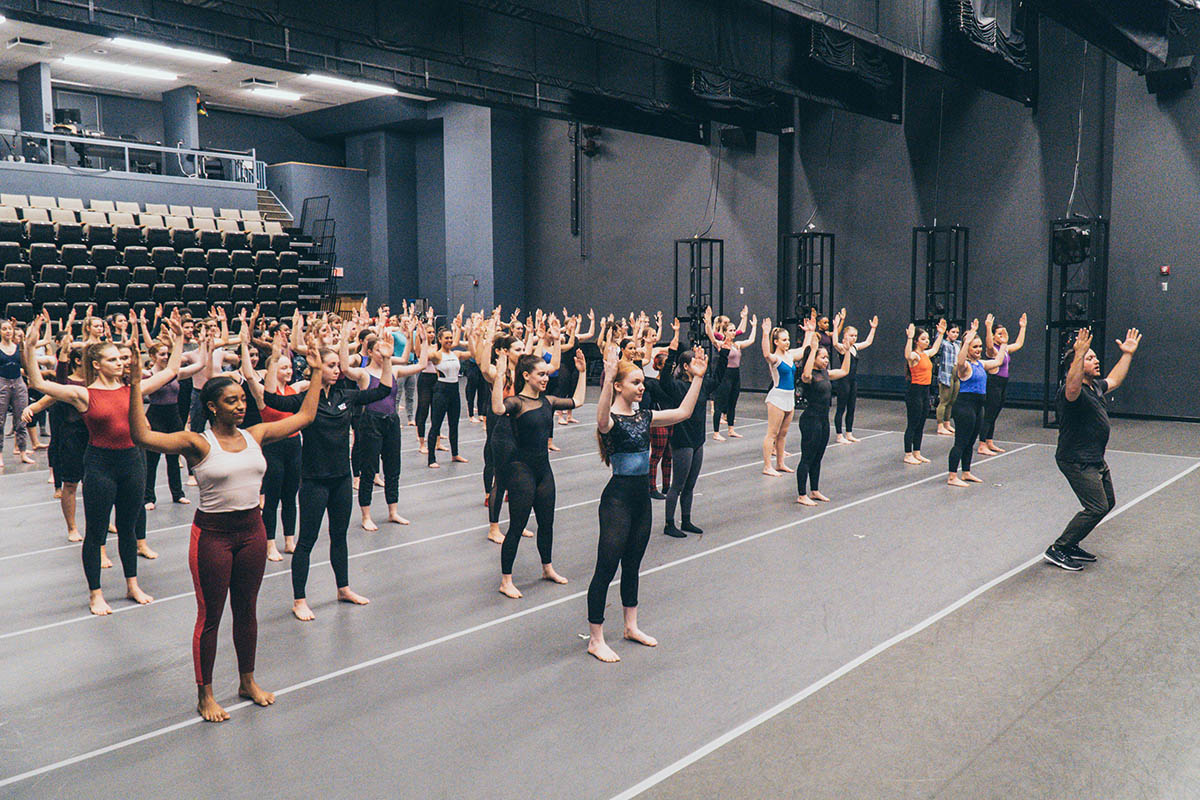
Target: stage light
point(120, 69)
point(165, 50)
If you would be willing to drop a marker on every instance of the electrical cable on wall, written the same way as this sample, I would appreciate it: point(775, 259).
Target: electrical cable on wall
point(937, 170)
point(1079, 141)
point(828, 155)
point(714, 188)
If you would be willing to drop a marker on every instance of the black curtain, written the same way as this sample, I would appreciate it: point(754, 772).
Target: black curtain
point(995, 26)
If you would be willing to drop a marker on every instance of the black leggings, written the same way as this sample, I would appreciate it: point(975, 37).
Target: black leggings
point(447, 405)
point(497, 455)
point(997, 389)
point(378, 435)
point(814, 438)
point(281, 485)
point(686, 464)
point(112, 479)
point(725, 399)
point(475, 394)
point(624, 533)
point(916, 401)
point(968, 414)
point(846, 391)
point(319, 496)
point(530, 488)
point(163, 419)
point(425, 383)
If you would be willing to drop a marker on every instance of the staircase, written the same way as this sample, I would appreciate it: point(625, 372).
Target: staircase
point(271, 209)
point(315, 240)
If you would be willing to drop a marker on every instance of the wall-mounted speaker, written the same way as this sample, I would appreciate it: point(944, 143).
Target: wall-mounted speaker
point(740, 139)
point(1176, 77)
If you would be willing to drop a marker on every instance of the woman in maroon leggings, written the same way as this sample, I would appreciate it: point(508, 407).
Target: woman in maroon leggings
point(228, 551)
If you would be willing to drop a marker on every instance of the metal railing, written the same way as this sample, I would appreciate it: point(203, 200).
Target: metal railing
point(99, 154)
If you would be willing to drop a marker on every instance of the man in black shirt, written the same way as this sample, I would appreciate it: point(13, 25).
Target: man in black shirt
point(1082, 436)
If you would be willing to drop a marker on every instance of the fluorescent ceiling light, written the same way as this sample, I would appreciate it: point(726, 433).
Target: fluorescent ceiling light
point(165, 50)
point(3, 19)
point(122, 69)
point(274, 94)
point(346, 83)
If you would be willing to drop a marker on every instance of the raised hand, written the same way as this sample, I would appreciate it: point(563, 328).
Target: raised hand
point(612, 358)
point(1132, 339)
point(988, 320)
point(1023, 320)
point(941, 327)
point(675, 325)
point(875, 321)
point(809, 323)
point(766, 323)
point(699, 363)
point(313, 355)
point(580, 360)
point(911, 330)
point(1083, 342)
point(974, 325)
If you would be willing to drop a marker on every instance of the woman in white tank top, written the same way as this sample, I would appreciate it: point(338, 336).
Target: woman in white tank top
point(228, 550)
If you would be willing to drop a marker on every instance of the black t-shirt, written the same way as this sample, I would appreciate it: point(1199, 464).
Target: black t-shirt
point(1083, 425)
point(817, 393)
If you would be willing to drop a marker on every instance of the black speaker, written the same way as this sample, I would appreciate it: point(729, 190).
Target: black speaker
point(739, 139)
point(1176, 77)
point(1071, 245)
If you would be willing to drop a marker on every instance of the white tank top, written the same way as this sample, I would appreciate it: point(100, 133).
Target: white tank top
point(230, 481)
point(448, 368)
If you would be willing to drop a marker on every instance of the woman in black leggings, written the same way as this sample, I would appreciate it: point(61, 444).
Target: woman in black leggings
point(427, 379)
point(997, 381)
point(162, 412)
point(114, 471)
point(918, 357)
point(625, 514)
point(846, 389)
point(447, 402)
point(817, 379)
point(968, 408)
point(530, 480)
point(325, 482)
point(725, 397)
point(498, 354)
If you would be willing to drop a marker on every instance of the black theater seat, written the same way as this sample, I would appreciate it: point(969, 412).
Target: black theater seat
point(136, 257)
point(216, 259)
point(43, 253)
point(104, 255)
point(53, 273)
point(73, 255)
point(118, 275)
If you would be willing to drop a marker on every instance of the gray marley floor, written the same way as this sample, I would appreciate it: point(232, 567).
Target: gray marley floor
point(1047, 685)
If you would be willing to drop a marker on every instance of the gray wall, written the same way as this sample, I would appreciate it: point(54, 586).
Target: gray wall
point(58, 181)
point(641, 194)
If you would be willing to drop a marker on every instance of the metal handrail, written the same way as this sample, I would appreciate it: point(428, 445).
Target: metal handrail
point(247, 167)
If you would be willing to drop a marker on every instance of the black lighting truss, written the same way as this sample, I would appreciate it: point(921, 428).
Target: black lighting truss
point(1076, 297)
point(807, 281)
point(702, 284)
point(940, 263)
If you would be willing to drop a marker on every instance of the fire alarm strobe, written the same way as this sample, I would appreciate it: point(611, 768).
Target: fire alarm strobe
point(1164, 274)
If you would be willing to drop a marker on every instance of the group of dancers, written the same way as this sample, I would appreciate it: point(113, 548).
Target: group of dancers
point(279, 422)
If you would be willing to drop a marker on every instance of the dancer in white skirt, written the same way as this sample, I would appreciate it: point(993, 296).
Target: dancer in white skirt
point(781, 400)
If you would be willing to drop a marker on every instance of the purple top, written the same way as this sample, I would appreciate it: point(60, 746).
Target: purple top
point(168, 395)
point(1003, 371)
point(735, 352)
point(388, 404)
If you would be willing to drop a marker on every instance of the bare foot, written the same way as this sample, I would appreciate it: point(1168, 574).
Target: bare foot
point(443, 446)
point(58, 494)
point(135, 593)
point(98, 605)
point(852, 439)
point(435, 465)
point(424, 450)
point(528, 534)
point(508, 589)
point(602, 651)
point(553, 448)
point(210, 709)
point(636, 635)
point(732, 434)
point(815, 495)
point(923, 459)
point(494, 534)
point(289, 544)
point(956, 481)
point(970, 478)
point(191, 481)
point(396, 518)
point(549, 574)
point(144, 550)
point(983, 450)
point(27, 458)
point(562, 421)
point(368, 524)
point(572, 421)
point(112, 527)
point(717, 437)
point(356, 484)
point(379, 480)
point(944, 432)
point(302, 612)
point(348, 595)
point(463, 460)
point(910, 459)
point(994, 446)
point(771, 471)
point(183, 501)
point(805, 501)
point(842, 439)
point(73, 535)
point(105, 561)
point(273, 553)
point(255, 693)
point(784, 468)
point(149, 506)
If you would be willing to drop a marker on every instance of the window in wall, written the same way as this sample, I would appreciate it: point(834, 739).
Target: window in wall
point(87, 104)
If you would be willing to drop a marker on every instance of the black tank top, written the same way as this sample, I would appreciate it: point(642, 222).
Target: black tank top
point(533, 424)
point(817, 393)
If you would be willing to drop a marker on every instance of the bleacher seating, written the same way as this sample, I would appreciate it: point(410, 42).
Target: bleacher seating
point(64, 253)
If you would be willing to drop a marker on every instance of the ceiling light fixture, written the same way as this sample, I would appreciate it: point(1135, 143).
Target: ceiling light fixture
point(346, 83)
point(3, 19)
point(274, 94)
point(122, 69)
point(165, 50)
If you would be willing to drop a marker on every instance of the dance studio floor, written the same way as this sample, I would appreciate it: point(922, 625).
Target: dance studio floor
point(842, 651)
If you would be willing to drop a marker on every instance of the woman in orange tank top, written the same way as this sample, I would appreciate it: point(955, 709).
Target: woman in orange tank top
point(918, 355)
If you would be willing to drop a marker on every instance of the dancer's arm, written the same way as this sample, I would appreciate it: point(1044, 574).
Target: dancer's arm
point(498, 386)
point(937, 343)
point(696, 368)
point(994, 363)
point(989, 344)
point(1020, 342)
point(844, 369)
point(163, 377)
point(1128, 347)
point(910, 355)
point(266, 432)
point(811, 343)
point(766, 340)
point(865, 343)
point(576, 400)
point(77, 396)
point(1073, 384)
point(749, 340)
point(191, 446)
point(962, 369)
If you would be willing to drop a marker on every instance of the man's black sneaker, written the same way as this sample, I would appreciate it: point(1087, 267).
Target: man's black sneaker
point(671, 530)
point(690, 528)
point(1079, 554)
point(655, 494)
point(1058, 558)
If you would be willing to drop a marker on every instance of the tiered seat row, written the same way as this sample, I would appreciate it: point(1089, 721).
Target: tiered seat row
point(59, 256)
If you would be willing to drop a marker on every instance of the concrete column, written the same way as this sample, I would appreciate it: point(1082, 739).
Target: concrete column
point(181, 126)
point(35, 99)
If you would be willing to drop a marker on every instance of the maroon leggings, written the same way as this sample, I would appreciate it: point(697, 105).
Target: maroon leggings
point(660, 450)
point(227, 556)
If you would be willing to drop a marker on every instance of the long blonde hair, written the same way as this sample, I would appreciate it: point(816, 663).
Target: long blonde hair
point(624, 370)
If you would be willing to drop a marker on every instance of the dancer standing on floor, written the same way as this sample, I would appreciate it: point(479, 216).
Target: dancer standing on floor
point(228, 549)
point(781, 399)
point(281, 482)
point(162, 413)
point(114, 472)
point(968, 408)
point(325, 480)
point(14, 393)
point(846, 389)
point(817, 379)
point(997, 381)
point(446, 403)
point(530, 482)
point(725, 398)
point(918, 355)
point(948, 379)
point(625, 512)
point(1083, 430)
